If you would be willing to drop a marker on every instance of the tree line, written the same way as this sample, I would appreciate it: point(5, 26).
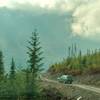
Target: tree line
point(78, 63)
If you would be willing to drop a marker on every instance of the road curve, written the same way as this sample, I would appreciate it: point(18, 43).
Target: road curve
point(86, 87)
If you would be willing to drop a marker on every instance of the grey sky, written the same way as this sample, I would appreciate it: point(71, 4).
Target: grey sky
point(54, 27)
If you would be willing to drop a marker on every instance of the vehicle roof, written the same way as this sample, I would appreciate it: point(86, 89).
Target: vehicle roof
point(65, 76)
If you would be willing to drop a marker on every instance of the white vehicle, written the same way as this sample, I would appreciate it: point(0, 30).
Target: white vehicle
point(67, 79)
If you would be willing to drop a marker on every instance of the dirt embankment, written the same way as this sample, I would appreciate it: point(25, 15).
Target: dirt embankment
point(93, 80)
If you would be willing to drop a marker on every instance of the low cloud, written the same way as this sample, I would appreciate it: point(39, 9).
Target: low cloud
point(85, 14)
point(87, 19)
point(62, 5)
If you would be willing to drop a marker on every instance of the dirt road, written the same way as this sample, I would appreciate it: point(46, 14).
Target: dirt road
point(85, 87)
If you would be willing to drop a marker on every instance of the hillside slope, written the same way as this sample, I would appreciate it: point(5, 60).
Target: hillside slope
point(78, 64)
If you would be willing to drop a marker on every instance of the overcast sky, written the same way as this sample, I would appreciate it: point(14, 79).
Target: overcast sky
point(59, 22)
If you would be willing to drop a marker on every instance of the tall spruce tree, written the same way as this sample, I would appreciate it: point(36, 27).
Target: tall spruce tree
point(34, 52)
point(1, 65)
point(12, 79)
point(13, 93)
point(12, 70)
point(80, 60)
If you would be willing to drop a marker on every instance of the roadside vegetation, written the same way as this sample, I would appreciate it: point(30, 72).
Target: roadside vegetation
point(78, 63)
point(22, 84)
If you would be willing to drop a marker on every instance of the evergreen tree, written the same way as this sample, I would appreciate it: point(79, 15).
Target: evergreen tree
point(12, 82)
point(1, 65)
point(80, 59)
point(72, 51)
point(12, 70)
point(69, 52)
point(35, 54)
point(34, 61)
point(75, 50)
